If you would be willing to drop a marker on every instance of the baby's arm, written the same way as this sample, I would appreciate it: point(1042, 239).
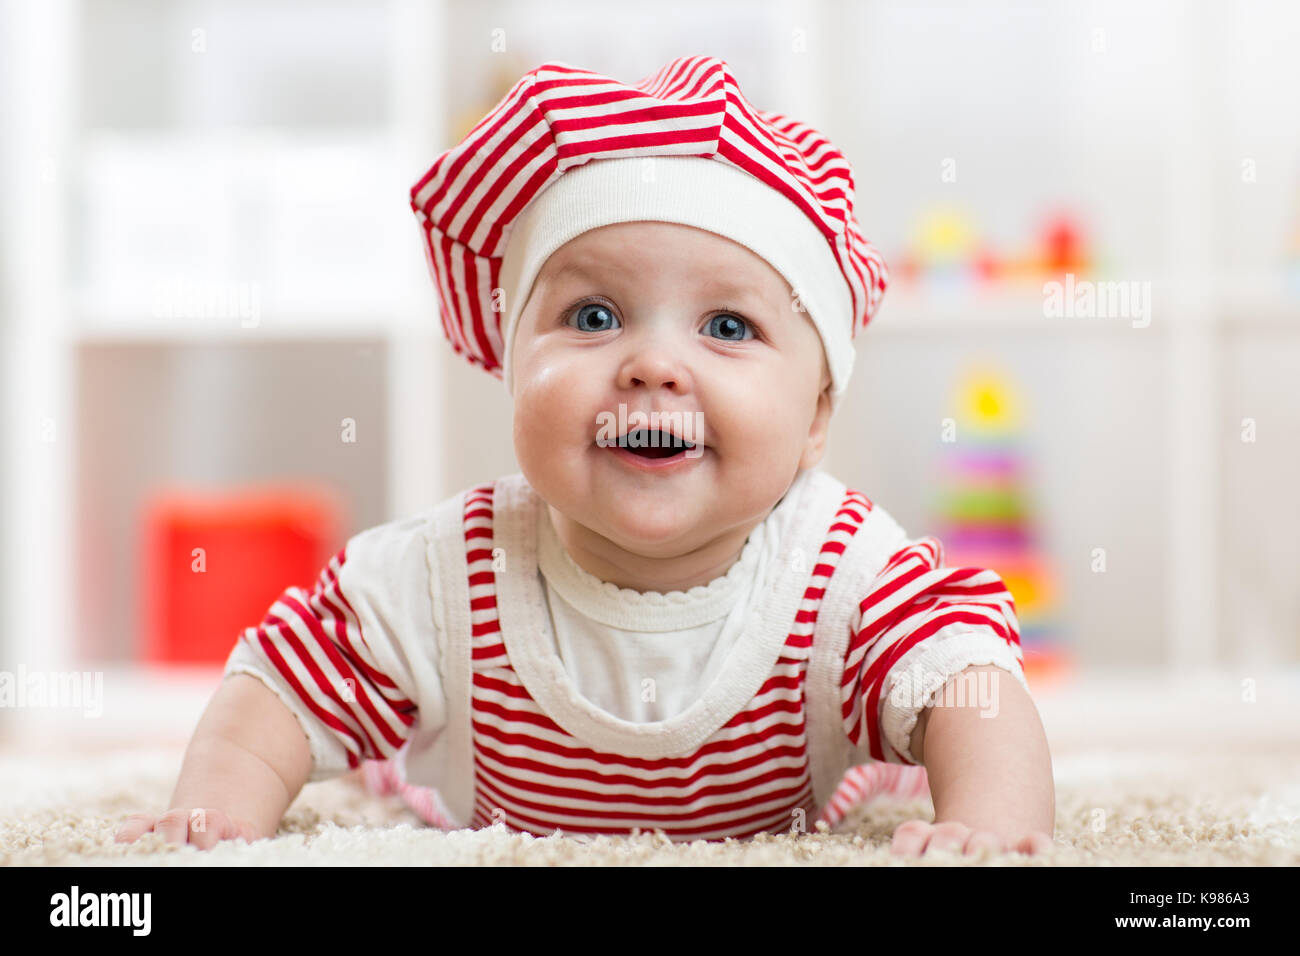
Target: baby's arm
point(929, 637)
point(245, 764)
point(989, 767)
point(248, 756)
point(327, 680)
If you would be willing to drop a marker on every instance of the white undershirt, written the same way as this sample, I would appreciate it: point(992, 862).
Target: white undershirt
point(647, 656)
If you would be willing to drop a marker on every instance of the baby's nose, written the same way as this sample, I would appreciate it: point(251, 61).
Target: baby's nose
point(653, 374)
point(653, 364)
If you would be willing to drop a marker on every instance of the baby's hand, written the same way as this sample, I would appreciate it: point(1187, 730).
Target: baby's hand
point(915, 837)
point(202, 828)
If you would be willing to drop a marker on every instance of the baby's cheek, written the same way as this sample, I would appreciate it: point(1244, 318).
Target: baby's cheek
point(770, 421)
point(550, 415)
point(539, 399)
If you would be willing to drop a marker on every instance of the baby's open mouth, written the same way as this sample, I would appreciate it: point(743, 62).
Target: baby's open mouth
point(653, 443)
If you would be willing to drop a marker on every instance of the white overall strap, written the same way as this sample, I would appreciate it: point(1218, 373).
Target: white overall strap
point(449, 589)
point(865, 551)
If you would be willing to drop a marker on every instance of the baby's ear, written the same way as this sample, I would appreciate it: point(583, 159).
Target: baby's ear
point(816, 446)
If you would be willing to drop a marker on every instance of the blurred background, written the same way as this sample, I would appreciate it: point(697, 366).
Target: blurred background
point(222, 352)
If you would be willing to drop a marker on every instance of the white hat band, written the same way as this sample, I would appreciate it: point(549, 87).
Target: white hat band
point(691, 191)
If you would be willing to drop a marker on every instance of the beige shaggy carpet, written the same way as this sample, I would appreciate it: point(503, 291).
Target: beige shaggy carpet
point(1147, 774)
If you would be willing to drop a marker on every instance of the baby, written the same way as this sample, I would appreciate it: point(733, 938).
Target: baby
point(670, 618)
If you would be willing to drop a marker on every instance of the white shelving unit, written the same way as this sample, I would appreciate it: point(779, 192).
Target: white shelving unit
point(39, 57)
point(180, 186)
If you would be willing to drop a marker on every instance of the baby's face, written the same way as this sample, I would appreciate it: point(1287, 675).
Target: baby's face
point(659, 317)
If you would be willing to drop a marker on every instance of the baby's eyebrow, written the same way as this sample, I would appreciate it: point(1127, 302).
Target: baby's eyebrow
point(574, 268)
point(714, 285)
point(720, 286)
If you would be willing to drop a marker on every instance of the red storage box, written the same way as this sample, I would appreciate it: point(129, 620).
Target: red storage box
point(214, 563)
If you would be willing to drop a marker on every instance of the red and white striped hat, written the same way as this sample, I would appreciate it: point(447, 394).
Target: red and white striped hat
point(682, 146)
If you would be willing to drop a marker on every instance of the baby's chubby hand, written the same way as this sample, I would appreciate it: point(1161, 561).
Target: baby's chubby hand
point(916, 837)
point(201, 827)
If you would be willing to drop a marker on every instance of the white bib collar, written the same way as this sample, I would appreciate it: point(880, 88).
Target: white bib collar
point(632, 610)
point(525, 625)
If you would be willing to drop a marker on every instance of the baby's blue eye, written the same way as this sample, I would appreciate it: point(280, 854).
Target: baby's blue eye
point(730, 324)
point(601, 314)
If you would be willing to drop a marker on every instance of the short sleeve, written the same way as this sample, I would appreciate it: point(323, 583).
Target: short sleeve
point(920, 624)
point(351, 656)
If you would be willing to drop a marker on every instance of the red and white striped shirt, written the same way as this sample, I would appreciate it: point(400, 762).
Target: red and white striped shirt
point(430, 640)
